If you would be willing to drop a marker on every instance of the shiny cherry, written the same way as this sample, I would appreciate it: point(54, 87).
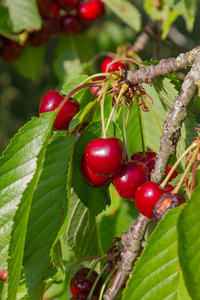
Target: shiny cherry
point(131, 176)
point(166, 202)
point(146, 197)
point(113, 68)
point(105, 157)
point(80, 284)
point(51, 101)
point(89, 177)
point(89, 11)
point(148, 158)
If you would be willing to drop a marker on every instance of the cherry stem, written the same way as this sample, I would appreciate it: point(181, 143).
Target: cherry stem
point(106, 281)
point(165, 181)
point(123, 59)
point(141, 129)
point(124, 130)
point(96, 262)
point(96, 281)
point(153, 113)
point(114, 107)
point(192, 185)
point(100, 54)
point(175, 191)
point(94, 76)
point(128, 113)
point(102, 101)
point(88, 258)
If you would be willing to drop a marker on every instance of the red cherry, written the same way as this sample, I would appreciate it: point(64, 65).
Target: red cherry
point(47, 8)
point(174, 174)
point(95, 90)
point(166, 202)
point(89, 11)
point(10, 50)
point(146, 197)
point(71, 24)
point(67, 4)
point(80, 284)
point(169, 187)
point(105, 157)
point(148, 159)
point(89, 177)
point(51, 101)
point(114, 67)
point(131, 176)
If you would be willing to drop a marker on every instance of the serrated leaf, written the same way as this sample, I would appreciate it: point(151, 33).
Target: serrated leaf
point(81, 234)
point(30, 61)
point(20, 165)
point(126, 12)
point(157, 274)
point(5, 23)
point(189, 244)
point(48, 213)
point(24, 15)
point(96, 199)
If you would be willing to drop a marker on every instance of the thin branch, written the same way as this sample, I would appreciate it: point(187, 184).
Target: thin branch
point(130, 246)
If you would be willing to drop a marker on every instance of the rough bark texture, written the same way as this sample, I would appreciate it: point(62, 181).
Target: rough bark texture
point(131, 241)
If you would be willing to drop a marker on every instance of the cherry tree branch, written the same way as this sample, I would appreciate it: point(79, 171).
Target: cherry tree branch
point(131, 240)
point(130, 246)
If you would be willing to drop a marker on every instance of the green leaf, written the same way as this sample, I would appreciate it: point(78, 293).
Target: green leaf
point(24, 15)
point(189, 244)
point(157, 274)
point(126, 11)
point(19, 169)
point(30, 61)
point(71, 53)
point(48, 213)
point(81, 234)
point(188, 135)
point(96, 199)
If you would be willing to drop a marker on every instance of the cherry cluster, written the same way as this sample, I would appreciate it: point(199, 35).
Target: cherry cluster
point(82, 283)
point(58, 17)
point(105, 160)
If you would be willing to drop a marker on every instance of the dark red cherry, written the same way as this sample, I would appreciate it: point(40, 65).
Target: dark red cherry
point(148, 159)
point(131, 176)
point(89, 177)
point(146, 197)
point(67, 4)
point(71, 24)
point(174, 174)
point(95, 90)
point(51, 101)
point(10, 50)
point(166, 202)
point(80, 284)
point(105, 157)
point(113, 68)
point(89, 11)
point(47, 8)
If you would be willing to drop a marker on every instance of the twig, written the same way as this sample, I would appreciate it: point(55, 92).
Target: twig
point(130, 245)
